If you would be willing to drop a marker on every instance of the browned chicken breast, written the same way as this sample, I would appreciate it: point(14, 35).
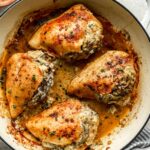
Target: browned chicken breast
point(66, 125)
point(110, 78)
point(75, 34)
point(29, 76)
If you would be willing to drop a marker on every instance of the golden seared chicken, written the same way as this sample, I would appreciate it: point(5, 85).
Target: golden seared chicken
point(66, 125)
point(74, 35)
point(110, 78)
point(29, 76)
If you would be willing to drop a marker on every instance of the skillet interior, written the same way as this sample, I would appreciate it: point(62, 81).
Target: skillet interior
point(137, 36)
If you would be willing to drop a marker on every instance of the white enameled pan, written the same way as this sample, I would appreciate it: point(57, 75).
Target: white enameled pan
point(121, 18)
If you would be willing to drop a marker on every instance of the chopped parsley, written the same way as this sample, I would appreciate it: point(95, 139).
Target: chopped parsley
point(102, 70)
point(52, 133)
point(120, 70)
point(34, 78)
point(97, 96)
point(71, 34)
point(91, 26)
point(65, 91)
point(8, 91)
point(14, 106)
point(2, 77)
point(59, 138)
point(57, 97)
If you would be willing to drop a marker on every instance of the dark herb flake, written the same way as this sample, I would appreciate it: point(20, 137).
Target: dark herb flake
point(97, 96)
point(52, 133)
point(8, 91)
point(59, 138)
point(14, 106)
point(102, 70)
point(34, 78)
point(2, 77)
point(16, 97)
point(57, 97)
point(65, 91)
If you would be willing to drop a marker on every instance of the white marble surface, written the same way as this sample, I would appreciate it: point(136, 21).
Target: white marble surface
point(138, 8)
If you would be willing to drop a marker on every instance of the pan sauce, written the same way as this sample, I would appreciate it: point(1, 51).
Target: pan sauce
point(113, 39)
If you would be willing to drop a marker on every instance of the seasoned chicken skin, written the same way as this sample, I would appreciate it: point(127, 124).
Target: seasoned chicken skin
point(66, 125)
point(75, 34)
point(110, 78)
point(26, 72)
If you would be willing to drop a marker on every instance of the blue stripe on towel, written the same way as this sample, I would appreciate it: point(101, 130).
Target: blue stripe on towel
point(142, 140)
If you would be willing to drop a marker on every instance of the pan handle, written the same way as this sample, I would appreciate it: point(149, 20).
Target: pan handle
point(146, 19)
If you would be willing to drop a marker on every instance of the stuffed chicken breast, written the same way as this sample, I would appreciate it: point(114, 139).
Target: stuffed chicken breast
point(110, 78)
point(29, 76)
point(66, 125)
point(74, 35)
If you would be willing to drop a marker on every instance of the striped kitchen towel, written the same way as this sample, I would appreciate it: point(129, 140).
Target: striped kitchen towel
point(142, 141)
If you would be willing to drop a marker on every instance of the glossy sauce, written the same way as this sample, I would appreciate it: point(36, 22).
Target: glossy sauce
point(113, 39)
